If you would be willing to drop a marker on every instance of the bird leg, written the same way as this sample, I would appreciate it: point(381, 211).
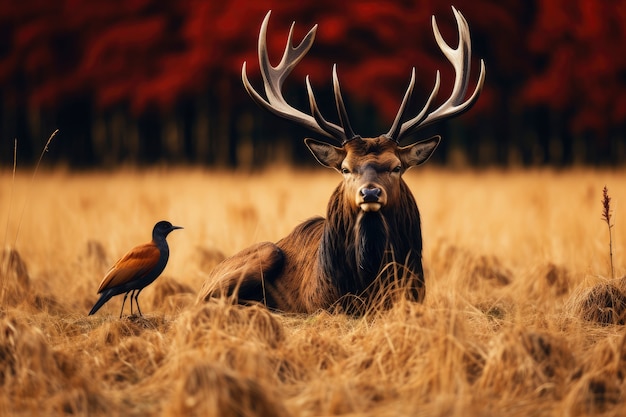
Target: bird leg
point(136, 301)
point(124, 302)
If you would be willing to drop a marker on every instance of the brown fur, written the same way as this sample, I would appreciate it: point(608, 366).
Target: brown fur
point(369, 246)
point(351, 258)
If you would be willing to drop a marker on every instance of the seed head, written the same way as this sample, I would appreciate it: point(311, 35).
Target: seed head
point(606, 206)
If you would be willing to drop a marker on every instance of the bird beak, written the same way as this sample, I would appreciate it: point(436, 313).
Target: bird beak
point(177, 227)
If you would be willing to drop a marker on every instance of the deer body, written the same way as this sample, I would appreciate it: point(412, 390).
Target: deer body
point(369, 241)
point(369, 245)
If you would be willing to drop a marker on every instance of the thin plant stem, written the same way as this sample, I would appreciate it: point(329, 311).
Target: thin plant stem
point(6, 228)
point(5, 255)
point(606, 216)
point(45, 149)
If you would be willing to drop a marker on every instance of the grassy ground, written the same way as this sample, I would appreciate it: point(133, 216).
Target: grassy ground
point(521, 317)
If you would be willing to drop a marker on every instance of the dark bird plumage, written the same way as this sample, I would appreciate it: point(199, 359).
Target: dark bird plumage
point(137, 269)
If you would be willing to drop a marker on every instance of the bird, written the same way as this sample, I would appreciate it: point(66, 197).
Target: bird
point(137, 269)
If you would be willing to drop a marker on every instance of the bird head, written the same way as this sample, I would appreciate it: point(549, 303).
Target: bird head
point(163, 228)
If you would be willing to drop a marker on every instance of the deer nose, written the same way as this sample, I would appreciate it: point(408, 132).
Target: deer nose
point(370, 195)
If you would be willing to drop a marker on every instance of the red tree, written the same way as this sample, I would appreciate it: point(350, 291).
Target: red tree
point(140, 54)
point(578, 46)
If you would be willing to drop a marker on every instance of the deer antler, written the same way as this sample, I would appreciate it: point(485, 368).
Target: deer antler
point(454, 105)
point(273, 78)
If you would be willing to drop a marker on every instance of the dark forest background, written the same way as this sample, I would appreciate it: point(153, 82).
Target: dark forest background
point(146, 81)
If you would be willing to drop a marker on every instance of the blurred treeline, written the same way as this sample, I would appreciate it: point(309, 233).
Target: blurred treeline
point(149, 81)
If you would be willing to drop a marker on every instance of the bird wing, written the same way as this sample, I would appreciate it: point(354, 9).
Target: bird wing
point(135, 264)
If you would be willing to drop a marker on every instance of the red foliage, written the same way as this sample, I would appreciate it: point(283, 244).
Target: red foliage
point(581, 42)
point(561, 53)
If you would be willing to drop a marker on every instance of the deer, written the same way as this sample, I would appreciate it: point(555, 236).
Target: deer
point(367, 251)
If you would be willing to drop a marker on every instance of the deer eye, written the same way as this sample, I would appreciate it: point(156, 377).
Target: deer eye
point(397, 169)
point(345, 171)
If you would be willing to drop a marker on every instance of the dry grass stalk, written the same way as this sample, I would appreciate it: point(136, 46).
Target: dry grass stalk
point(606, 216)
point(6, 229)
point(4, 267)
point(32, 181)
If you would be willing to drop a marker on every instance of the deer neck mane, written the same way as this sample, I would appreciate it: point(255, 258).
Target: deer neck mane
point(353, 245)
point(356, 245)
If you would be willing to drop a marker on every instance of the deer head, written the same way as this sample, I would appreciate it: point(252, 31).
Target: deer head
point(371, 167)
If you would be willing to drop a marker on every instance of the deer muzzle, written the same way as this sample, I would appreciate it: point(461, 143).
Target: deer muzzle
point(371, 198)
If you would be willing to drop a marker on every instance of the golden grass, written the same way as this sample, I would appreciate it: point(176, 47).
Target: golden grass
point(520, 318)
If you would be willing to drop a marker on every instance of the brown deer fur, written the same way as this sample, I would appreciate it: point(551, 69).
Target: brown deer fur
point(351, 252)
point(368, 249)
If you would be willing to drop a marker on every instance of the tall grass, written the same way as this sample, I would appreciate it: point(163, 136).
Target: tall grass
point(32, 182)
point(10, 260)
point(10, 199)
point(607, 216)
point(513, 323)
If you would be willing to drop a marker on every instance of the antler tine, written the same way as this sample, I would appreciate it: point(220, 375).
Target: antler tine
point(394, 132)
point(460, 58)
point(341, 109)
point(317, 115)
point(344, 134)
point(273, 78)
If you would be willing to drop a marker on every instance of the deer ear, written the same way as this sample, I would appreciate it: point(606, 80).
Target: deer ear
point(326, 154)
point(419, 152)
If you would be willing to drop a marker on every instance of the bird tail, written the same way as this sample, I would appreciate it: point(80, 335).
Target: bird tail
point(106, 296)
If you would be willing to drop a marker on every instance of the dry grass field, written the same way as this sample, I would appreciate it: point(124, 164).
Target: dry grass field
point(521, 318)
